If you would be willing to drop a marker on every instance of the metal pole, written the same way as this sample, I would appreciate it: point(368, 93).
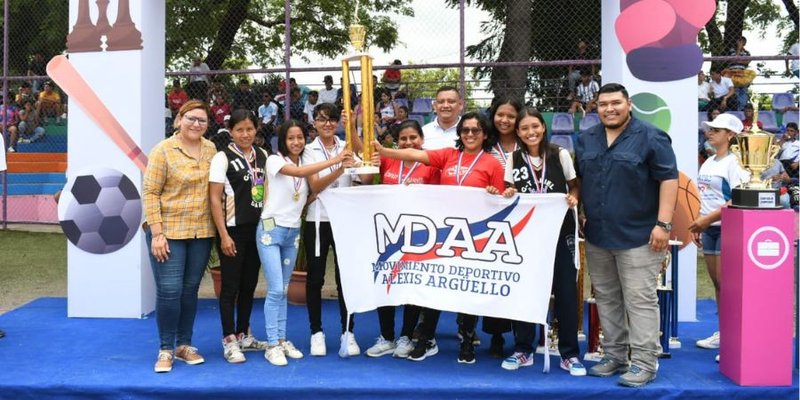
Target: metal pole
point(461, 49)
point(5, 107)
point(287, 55)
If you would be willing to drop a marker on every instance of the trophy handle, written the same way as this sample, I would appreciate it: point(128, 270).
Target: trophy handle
point(773, 152)
point(736, 150)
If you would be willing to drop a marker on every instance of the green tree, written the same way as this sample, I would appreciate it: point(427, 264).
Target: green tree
point(218, 30)
point(423, 83)
point(225, 33)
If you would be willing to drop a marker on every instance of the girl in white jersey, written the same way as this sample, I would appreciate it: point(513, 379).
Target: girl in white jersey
point(278, 232)
point(717, 177)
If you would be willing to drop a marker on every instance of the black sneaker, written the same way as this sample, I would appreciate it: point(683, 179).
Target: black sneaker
point(496, 348)
point(423, 349)
point(467, 353)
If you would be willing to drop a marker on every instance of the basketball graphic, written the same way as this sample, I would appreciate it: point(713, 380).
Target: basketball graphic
point(687, 209)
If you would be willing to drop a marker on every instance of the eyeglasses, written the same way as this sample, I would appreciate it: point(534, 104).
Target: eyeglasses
point(193, 120)
point(323, 120)
point(474, 131)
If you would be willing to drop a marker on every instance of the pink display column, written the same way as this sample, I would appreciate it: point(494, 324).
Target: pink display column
point(755, 316)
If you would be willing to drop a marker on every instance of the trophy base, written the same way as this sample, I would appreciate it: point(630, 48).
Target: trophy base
point(753, 198)
point(362, 170)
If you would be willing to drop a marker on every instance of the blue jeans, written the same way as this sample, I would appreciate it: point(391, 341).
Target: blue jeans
point(277, 249)
point(741, 97)
point(177, 280)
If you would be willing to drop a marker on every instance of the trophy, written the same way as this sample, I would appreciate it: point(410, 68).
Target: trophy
point(357, 33)
point(756, 152)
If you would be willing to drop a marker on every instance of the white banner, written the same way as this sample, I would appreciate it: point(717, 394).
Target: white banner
point(446, 247)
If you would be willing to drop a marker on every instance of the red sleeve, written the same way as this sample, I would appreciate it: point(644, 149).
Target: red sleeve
point(498, 175)
point(438, 158)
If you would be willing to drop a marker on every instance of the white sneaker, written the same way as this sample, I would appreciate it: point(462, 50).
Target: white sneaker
point(716, 358)
point(403, 347)
point(382, 347)
point(276, 356)
point(290, 351)
point(352, 345)
point(318, 344)
point(11, 149)
point(230, 349)
point(711, 342)
point(23, 141)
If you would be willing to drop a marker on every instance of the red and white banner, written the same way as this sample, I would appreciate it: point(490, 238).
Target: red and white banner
point(446, 247)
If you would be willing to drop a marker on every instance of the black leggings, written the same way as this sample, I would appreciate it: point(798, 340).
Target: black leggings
point(386, 320)
point(239, 280)
point(316, 275)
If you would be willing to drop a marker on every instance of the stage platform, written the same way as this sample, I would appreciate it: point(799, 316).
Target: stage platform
point(47, 355)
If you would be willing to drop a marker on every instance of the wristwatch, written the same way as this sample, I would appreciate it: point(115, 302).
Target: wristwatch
point(667, 226)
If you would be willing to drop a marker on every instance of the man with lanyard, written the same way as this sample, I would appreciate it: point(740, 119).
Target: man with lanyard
point(629, 188)
point(441, 132)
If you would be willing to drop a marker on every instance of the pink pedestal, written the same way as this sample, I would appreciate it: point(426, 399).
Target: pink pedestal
point(755, 316)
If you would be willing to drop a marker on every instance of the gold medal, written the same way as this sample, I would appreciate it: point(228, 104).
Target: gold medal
point(296, 196)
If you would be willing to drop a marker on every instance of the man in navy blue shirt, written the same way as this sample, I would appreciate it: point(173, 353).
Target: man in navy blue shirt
point(629, 186)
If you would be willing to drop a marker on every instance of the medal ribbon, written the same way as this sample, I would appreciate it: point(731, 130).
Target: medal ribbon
point(325, 150)
point(400, 179)
point(538, 183)
point(250, 168)
point(297, 182)
point(503, 152)
point(459, 178)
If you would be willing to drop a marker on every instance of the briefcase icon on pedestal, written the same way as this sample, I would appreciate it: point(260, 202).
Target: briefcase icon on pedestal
point(767, 248)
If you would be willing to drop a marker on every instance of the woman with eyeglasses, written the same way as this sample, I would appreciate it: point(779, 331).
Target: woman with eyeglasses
point(317, 233)
point(469, 164)
point(179, 229)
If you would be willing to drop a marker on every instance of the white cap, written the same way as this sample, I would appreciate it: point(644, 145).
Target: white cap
point(725, 121)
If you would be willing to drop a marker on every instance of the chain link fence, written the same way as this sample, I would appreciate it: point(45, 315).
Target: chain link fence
point(533, 50)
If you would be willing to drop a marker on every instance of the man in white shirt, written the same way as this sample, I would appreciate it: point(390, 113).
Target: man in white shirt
point(723, 91)
point(313, 97)
point(703, 92)
point(327, 95)
point(268, 110)
point(441, 132)
point(199, 66)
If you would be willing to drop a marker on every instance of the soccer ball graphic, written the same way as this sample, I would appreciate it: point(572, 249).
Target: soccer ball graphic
point(100, 210)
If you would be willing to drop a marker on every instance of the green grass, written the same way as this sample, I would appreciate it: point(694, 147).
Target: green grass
point(34, 264)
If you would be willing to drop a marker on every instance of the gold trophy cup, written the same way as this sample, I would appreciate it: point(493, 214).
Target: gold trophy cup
point(756, 152)
point(357, 33)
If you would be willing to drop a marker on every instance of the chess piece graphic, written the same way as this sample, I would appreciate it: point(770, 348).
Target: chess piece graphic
point(84, 36)
point(124, 35)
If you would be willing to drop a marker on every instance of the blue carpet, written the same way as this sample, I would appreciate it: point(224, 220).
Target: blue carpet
point(47, 355)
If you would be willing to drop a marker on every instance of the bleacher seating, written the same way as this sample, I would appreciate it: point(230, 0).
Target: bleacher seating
point(564, 141)
point(401, 102)
point(702, 116)
point(589, 120)
point(737, 114)
point(563, 124)
point(417, 117)
point(768, 121)
point(791, 116)
point(782, 100)
point(422, 106)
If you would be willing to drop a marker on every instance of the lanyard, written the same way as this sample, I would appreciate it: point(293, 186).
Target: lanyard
point(296, 182)
point(503, 153)
point(325, 150)
point(400, 179)
point(250, 167)
point(539, 186)
point(459, 179)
